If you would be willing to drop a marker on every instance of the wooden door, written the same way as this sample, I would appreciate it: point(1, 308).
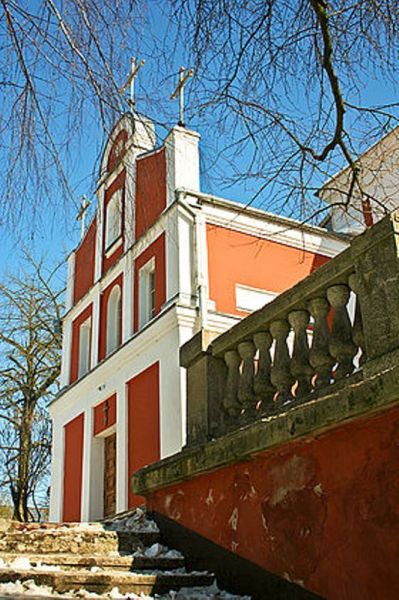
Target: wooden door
point(110, 475)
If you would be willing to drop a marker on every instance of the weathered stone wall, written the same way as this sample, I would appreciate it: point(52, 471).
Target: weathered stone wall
point(322, 511)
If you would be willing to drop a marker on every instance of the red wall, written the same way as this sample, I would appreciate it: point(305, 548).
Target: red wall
point(117, 184)
point(99, 415)
point(156, 250)
point(84, 263)
point(73, 465)
point(323, 512)
point(75, 341)
point(103, 316)
point(150, 190)
point(235, 257)
point(143, 424)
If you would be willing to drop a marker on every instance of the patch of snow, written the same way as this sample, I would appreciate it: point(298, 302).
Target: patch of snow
point(155, 550)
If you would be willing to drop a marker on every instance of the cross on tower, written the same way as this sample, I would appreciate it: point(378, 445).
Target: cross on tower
point(134, 69)
point(82, 214)
point(183, 78)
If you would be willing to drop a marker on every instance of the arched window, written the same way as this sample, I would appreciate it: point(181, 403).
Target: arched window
point(113, 320)
point(113, 219)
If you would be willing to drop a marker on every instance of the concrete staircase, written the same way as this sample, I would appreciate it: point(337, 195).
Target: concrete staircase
point(122, 553)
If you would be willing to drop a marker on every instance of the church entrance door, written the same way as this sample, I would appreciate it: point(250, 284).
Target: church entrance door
point(110, 475)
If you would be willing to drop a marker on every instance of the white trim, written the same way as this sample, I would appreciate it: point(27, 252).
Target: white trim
point(250, 298)
point(114, 246)
point(274, 232)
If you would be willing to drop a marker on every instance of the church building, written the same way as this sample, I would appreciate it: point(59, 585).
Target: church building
point(159, 261)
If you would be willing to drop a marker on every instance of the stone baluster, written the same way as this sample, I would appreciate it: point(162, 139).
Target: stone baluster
point(319, 356)
point(357, 329)
point(280, 372)
point(246, 394)
point(230, 400)
point(263, 387)
point(300, 366)
point(341, 344)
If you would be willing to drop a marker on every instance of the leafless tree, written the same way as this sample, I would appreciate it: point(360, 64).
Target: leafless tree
point(288, 82)
point(61, 67)
point(30, 344)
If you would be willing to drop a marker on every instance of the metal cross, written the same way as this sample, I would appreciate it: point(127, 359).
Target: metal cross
point(134, 69)
point(105, 412)
point(82, 214)
point(183, 78)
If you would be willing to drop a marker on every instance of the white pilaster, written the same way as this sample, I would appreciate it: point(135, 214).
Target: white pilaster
point(99, 235)
point(182, 161)
point(57, 472)
point(70, 281)
point(127, 298)
point(66, 352)
point(95, 328)
point(121, 448)
point(87, 461)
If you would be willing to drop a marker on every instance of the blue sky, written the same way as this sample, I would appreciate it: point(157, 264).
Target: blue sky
point(56, 232)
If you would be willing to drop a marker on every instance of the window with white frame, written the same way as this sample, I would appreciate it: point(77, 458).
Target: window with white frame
point(113, 320)
point(147, 292)
point(113, 219)
point(249, 299)
point(84, 347)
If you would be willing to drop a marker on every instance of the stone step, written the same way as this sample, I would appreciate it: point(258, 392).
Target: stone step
point(61, 540)
point(102, 582)
point(79, 540)
point(105, 562)
point(129, 541)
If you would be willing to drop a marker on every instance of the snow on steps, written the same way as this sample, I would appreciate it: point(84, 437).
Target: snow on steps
point(118, 556)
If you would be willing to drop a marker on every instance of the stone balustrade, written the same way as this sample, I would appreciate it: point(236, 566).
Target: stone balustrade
point(337, 321)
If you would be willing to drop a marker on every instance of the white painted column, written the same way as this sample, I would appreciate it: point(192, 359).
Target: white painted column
point(87, 464)
point(170, 405)
point(96, 491)
point(130, 204)
point(70, 281)
point(185, 225)
point(201, 268)
point(172, 255)
point(121, 448)
point(127, 298)
point(57, 472)
point(66, 352)
point(99, 235)
point(95, 328)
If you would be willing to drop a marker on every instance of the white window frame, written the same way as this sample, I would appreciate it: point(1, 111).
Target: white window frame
point(113, 222)
point(114, 307)
point(146, 295)
point(84, 347)
point(249, 298)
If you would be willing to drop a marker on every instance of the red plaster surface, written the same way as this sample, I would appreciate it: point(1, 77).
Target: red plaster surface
point(84, 264)
point(235, 257)
point(143, 424)
point(75, 341)
point(103, 316)
point(100, 424)
point(150, 190)
point(117, 184)
point(73, 466)
point(156, 250)
point(322, 512)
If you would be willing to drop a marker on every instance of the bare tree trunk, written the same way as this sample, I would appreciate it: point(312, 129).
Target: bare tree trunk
point(21, 493)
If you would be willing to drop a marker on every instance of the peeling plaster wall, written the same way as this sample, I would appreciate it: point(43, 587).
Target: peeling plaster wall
point(322, 512)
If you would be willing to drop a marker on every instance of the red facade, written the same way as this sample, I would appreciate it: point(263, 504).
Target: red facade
point(143, 424)
point(73, 468)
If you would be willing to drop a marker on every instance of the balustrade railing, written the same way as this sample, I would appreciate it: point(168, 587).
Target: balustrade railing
point(307, 340)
